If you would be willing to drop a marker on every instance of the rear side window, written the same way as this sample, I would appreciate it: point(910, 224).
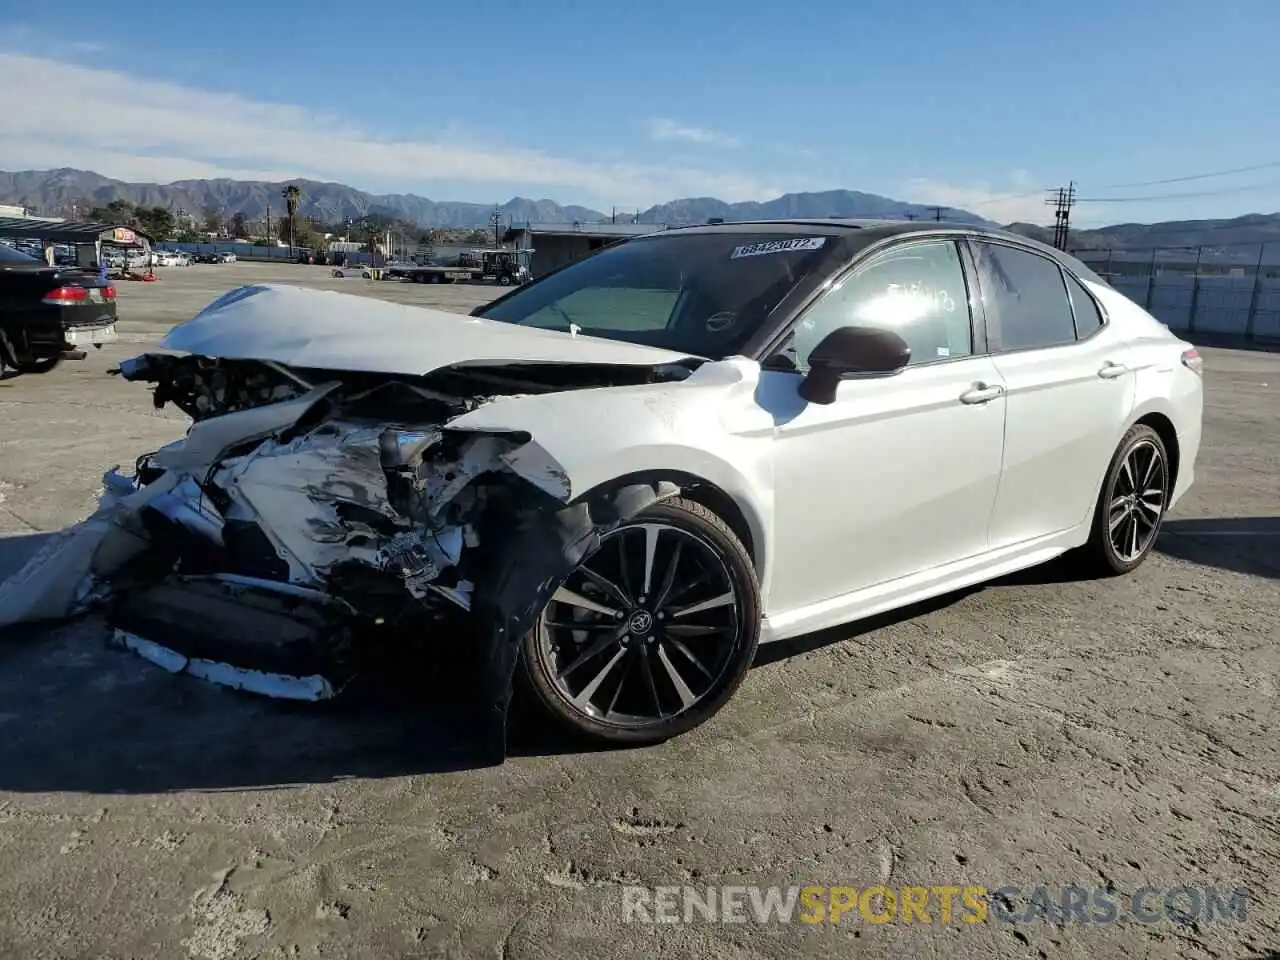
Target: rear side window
point(1088, 319)
point(1025, 297)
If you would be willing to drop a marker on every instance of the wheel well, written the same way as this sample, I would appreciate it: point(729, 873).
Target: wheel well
point(709, 495)
point(1164, 427)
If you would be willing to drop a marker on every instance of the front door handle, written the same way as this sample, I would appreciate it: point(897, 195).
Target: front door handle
point(1110, 371)
point(982, 393)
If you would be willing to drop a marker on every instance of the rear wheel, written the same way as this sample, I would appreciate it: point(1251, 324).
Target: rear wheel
point(1132, 504)
point(652, 633)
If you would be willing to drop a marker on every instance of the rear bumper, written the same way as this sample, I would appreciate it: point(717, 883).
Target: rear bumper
point(58, 330)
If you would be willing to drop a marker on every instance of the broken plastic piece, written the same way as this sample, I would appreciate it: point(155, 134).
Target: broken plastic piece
point(276, 685)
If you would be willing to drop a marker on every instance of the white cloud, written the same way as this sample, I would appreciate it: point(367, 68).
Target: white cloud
point(1019, 199)
point(134, 128)
point(662, 128)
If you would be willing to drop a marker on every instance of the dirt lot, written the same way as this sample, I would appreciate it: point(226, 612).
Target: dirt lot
point(1041, 731)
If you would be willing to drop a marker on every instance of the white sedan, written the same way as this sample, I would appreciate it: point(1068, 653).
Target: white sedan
point(624, 476)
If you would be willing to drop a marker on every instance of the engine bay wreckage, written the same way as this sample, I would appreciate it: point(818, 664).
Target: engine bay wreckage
point(322, 505)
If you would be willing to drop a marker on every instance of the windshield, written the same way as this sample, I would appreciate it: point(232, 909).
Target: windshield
point(10, 255)
point(696, 293)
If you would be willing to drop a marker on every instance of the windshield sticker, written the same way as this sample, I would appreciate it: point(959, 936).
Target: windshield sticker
point(777, 246)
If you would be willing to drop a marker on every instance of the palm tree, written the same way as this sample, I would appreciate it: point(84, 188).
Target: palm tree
point(292, 202)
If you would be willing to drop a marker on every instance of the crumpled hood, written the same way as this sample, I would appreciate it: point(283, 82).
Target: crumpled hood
point(299, 327)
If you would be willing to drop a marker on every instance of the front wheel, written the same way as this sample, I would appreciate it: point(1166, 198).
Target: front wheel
point(652, 633)
point(1132, 504)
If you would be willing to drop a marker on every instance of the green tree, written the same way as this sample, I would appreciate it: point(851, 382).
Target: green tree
point(292, 202)
point(212, 219)
point(304, 235)
point(115, 212)
point(156, 222)
point(239, 225)
point(477, 238)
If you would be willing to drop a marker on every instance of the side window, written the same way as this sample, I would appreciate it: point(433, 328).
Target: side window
point(1025, 298)
point(1088, 319)
point(917, 290)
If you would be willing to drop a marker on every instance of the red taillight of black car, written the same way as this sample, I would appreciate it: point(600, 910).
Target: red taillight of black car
point(66, 296)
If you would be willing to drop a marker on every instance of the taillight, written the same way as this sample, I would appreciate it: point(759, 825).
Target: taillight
point(1192, 360)
point(108, 293)
point(66, 296)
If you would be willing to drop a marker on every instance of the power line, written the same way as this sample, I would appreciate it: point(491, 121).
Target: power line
point(1184, 196)
point(1008, 196)
point(1195, 176)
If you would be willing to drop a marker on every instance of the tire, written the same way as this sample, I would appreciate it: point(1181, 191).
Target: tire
point(694, 672)
point(43, 365)
point(1126, 510)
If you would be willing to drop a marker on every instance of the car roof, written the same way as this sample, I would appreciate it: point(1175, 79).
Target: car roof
point(869, 231)
point(839, 226)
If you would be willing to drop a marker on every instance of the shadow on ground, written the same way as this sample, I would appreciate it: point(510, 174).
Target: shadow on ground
point(18, 549)
point(76, 715)
point(79, 716)
point(1241, 544)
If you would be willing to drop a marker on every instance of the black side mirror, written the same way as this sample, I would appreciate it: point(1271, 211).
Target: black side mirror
point(850, 352)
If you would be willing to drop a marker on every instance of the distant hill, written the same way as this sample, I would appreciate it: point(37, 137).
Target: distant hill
point(829, 203)
point(1232, 238)
point(56, 192)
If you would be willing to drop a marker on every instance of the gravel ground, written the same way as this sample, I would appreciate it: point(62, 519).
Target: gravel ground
point(1042, 731)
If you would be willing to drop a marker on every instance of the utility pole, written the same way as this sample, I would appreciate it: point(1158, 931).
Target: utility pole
point(912, 216)
point(937, 213)
point(1062, 200)
point(495, 219)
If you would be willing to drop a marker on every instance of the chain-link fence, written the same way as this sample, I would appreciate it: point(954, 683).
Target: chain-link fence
point(1231, 290)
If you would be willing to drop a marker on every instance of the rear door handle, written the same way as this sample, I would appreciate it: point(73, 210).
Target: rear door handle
point(982, 393)
point(1110, 371)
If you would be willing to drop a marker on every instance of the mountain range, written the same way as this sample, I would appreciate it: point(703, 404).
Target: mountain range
point(66, 191)
point(59, 192)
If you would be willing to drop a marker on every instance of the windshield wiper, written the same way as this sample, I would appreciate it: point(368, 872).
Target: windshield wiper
point(567, 319)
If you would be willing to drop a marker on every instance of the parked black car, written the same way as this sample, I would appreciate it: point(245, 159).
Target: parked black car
point(49, 314)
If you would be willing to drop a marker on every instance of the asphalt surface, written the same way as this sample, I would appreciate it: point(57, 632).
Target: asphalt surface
point(1042, 731)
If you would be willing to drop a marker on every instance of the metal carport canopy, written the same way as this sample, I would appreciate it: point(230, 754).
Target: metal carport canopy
point(71, 231)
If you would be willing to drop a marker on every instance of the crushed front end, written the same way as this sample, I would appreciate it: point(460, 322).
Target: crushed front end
point(310, 517)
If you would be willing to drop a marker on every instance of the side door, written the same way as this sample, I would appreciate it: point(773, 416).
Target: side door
point(899, 473)
point(1069, 391)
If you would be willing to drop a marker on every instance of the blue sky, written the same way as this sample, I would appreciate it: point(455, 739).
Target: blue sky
point(974, 105)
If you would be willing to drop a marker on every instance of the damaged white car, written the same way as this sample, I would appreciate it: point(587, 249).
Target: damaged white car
point(624, 475)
